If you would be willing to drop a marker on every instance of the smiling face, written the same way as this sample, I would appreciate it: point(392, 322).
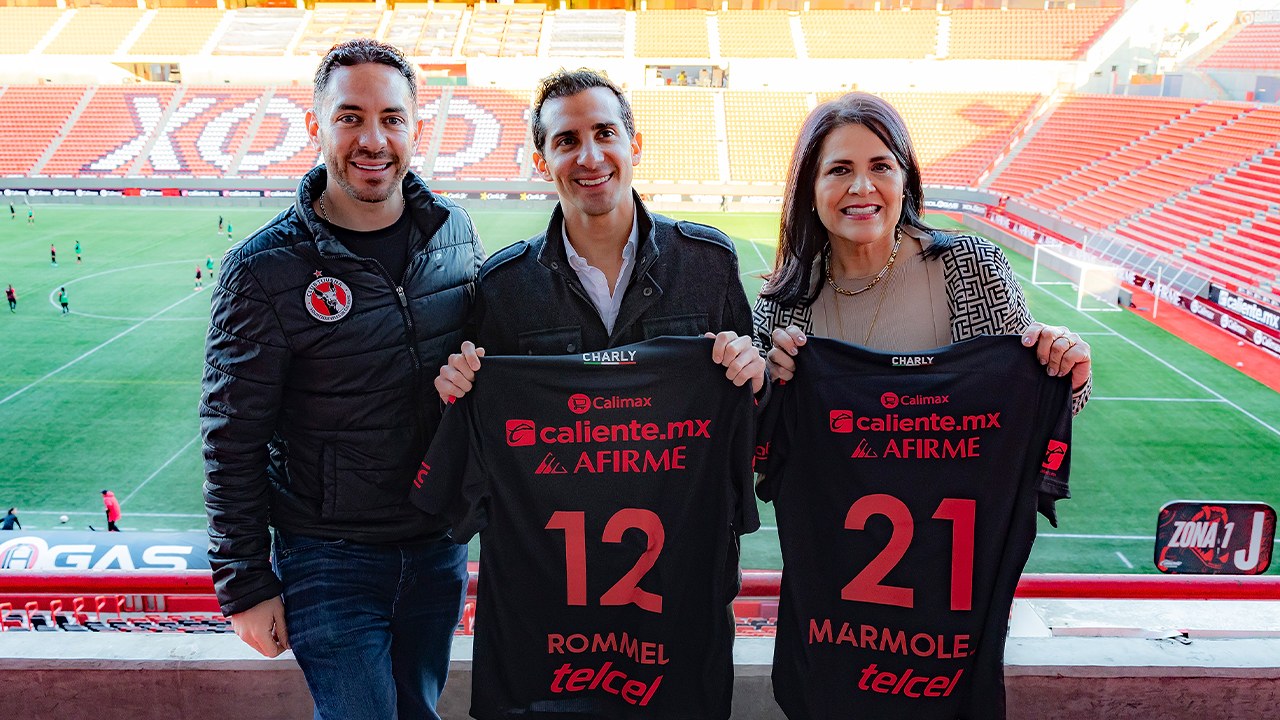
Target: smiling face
point(366, 129)
point(858, 191)
point(587, 153)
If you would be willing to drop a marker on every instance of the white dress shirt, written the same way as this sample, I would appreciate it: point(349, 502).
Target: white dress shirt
point(596, 284)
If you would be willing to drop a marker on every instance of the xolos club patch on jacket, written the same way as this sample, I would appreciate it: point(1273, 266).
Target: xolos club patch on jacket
point(328, 299)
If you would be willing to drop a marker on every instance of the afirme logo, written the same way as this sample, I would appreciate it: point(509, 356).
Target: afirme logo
point(912, 360)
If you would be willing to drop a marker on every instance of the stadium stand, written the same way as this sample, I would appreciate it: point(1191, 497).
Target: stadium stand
point(111, 132)
point(281, 147)
point(666, 118)
point(24, 27)
point(1253, 47)
point(260, 31)
point(484, 135)
point(419, 30)
point(1052, 34)
point(957, 135)
point(672, 33)
point(429, 98)
point(593, 33)
point(204, 132)
point(330, 25)
point(870, 34)
point(95, 31)
point(177, 31)
point(1083, 131)
point(30, 118)
point(760, 152)
point(755, 33)
point(503, 31)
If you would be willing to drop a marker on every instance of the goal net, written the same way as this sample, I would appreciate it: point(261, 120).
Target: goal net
point(1086, 274)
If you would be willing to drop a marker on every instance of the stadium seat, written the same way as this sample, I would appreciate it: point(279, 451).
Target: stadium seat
point(177, 31)
point(1054, 34)
point(111, 132)
point(484, 135)
point(588, 33)
point(503, 31)
point(260, 31)
point(762, 128)
point(1254, 47)
point(755, 34)
point(30, 118)
point(672, 33)
point(425, 31)
point(666, 118)
point(870, 34)
point(95, 31)
point(204, 134)
point(24, 27)
point(281, 148)
point(330, 25)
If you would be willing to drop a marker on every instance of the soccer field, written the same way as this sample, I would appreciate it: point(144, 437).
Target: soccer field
point(105, 397)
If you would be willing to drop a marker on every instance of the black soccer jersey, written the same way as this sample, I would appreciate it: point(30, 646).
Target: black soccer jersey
point(609, 489)
point(906, 489)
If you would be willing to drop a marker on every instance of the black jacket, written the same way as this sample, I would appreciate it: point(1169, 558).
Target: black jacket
point(684, 282)
point(318, 427)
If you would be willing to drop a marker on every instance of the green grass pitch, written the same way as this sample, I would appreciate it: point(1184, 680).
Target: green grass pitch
point(105, 398)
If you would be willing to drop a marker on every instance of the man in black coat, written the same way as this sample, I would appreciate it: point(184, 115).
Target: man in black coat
point(606, 272)
point(327, 326)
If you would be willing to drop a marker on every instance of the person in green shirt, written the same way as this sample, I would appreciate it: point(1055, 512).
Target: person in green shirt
point(208, 265)
point(62, 298)
point(77, 252)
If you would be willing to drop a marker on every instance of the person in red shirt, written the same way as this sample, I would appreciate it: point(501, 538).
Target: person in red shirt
point(113, 510)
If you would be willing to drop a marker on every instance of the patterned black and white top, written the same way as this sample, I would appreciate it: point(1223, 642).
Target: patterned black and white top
point(983, 297)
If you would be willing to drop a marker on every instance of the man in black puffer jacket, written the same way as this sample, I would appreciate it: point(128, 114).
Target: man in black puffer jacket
point(328, 325)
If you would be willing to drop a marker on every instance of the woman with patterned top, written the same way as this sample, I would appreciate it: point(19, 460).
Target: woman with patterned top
point(861, 265)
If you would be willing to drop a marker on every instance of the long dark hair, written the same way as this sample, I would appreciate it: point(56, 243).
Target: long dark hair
point(802, 236)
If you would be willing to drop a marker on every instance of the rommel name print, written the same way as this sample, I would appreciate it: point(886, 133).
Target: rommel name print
point(608, 489)
point(906, 489)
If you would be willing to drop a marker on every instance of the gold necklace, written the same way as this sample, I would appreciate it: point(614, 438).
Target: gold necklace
point(840, 320)
point(827, 261)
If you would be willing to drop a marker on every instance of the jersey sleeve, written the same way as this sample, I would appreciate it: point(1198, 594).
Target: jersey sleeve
point(773, 440)
point(746, 516)
point(1055, 467)
point(452, 482)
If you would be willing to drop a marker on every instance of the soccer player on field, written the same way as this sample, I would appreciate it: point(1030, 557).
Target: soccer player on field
point(12, 297)
point(53, 254)
point(13, 213)
point(198, 283)
point(77, 252)
point(31, 215)
point(208, 265)
point(62, 298)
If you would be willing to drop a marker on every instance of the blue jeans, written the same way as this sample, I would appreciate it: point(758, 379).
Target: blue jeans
point(371, 625)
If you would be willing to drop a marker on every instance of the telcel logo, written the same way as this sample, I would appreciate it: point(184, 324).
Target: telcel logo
point(520, 432)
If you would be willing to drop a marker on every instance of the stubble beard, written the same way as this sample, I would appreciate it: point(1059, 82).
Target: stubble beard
point(337, 168)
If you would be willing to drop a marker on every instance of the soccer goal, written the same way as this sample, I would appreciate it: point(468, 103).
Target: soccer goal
point(1086, 274)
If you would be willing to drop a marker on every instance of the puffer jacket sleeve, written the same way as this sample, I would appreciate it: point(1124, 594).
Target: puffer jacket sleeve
point(246, 357)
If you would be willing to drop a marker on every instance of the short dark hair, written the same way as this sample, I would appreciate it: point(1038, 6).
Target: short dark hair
point(361, 51)
point(802, 237)
point(566, 83)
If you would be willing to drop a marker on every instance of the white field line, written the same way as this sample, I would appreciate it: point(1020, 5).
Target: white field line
point(1145, 399)
point(54, 293)
point(764, 264)
point(1027, 282)
point(157, 472)
point(119, 335)
point(79, 513)
point(1124, 560)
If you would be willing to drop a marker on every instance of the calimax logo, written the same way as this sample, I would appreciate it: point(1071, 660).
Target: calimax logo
point(580, 403)
point(912, 360)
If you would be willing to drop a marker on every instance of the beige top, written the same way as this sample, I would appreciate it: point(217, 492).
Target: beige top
point(913, 314)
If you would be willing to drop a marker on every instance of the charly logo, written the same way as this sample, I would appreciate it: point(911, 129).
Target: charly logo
point(328, 299)
point(889, 400)
point(579, 403)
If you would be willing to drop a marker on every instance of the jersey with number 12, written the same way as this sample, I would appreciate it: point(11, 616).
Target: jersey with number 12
point(608, 489)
